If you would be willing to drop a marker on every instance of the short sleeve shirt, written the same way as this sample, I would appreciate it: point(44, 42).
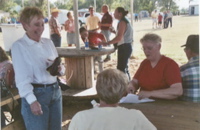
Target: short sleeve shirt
point(92, 22)
point(53, 23)
point(162, 76)
point(106, 19)
point(95, 38)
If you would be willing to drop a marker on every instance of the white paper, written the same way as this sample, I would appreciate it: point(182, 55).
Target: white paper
point(132, 98)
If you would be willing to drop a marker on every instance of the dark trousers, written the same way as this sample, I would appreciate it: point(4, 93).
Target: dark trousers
point(56, 40)
point(124, 53)
point(170, 21)
point(165, 23)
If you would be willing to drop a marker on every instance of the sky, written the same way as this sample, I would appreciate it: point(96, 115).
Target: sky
point(180, 3)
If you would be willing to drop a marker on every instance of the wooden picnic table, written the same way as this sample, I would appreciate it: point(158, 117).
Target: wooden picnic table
point(170, 114)
point(80, 65)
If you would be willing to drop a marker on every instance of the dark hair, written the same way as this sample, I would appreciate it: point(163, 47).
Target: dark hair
point(3, 55)
point(68, 13)
point(82, 29)
point(192, 43)
point(122, 10)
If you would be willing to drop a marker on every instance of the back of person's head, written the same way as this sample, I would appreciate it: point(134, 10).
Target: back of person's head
point(151, 37)
point(3, 55)
point(111, 85)
point(122, 10)
point(29, 13)
point(192, 43)
point(82, 29)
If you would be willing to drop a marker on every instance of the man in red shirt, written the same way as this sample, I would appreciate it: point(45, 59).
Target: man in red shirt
point(94, 38)
point(160, 17)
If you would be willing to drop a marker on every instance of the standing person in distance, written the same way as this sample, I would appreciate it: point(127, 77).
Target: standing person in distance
point(105, 24)
point(70, 28)
point(92, 21)
point(40, 94)
point(123, 39)
point(55, 27)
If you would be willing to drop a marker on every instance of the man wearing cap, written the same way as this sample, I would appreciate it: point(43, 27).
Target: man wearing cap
point(190, 71)
point(55, 27)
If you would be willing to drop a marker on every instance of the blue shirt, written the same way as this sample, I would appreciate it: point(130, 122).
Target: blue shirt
point(190, 80)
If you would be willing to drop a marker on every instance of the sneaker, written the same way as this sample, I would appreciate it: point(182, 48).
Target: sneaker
point(107, 59)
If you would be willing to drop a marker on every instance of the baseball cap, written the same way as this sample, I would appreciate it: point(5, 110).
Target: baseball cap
point(192, 43)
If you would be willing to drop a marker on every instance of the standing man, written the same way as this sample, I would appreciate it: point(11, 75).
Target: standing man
point(106, 23)
point(154, 17)
point(55, 27)
point(169, 17)
point(190, 71)
point(92, 21)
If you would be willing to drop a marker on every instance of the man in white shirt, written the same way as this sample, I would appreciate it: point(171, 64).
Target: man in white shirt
point(154, 16)
point(169, 17)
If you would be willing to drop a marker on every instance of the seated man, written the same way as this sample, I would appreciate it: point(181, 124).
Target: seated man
point(190, 71)
point(158, 76)
point(94, 38)
point(111, 87)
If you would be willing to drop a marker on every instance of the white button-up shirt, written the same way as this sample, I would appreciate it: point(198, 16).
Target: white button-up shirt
point(30, 60)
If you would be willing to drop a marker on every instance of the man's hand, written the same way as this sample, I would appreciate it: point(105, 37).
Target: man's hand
point(36, 108)
point(144, 94)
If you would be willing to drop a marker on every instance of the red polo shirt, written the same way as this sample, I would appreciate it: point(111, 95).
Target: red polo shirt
point(162, 76)
point(95, 38)
point(106, 19)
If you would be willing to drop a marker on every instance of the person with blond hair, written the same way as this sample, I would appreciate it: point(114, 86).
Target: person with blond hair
point(111, 86)
point(158, 76)
point(40, 94)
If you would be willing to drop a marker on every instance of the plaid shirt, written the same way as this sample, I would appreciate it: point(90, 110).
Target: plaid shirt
point(190, 80)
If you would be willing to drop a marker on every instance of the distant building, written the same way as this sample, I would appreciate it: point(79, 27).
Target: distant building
point(194, 8)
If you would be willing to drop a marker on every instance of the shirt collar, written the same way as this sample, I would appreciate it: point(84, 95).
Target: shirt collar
point(30, 41)
point(194, 58)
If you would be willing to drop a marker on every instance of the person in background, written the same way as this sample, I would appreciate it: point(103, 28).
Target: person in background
point(70, 28)
point(158, 76)
point(105, 24)
point(154, 16)
point(165, 20)
point(111, 86)
point(169, 17)
point(55, 27)
point(40, 94)
point(94, 39)
point(123, 39)
point(190, 71)
point(92, 21)
point(160, 18)
point(136, 17)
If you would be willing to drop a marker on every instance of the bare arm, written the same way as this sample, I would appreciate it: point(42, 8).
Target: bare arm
point(120, 33)
point(173, 92)
point(133, 86)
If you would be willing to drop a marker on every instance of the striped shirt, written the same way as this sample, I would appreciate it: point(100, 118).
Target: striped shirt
point(190, 80)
